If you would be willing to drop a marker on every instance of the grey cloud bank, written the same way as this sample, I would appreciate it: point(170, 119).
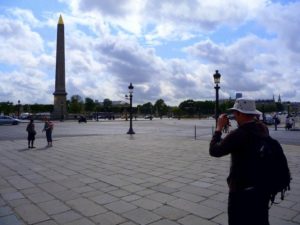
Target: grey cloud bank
point(109, 45)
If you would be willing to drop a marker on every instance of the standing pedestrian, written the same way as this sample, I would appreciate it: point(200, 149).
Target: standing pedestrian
point(247, 203)
point(288, 124)
point(276, 120)
point(31, 133)
point(48, 127)
point(293, 122)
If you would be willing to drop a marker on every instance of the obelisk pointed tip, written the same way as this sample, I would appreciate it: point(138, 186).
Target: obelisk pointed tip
point(60, 21)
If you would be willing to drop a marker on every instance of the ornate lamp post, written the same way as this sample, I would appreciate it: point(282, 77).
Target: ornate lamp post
point(130, 90)
point(19, 106)
point(217, 78)
point(263, 112)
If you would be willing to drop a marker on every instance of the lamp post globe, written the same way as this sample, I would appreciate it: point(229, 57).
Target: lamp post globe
point(130, 90)
point(217, 79)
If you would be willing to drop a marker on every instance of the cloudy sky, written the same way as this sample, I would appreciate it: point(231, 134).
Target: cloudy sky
point(168, 49)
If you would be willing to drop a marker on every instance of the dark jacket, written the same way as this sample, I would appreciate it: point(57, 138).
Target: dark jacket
point(241, 144)
point(30, 128)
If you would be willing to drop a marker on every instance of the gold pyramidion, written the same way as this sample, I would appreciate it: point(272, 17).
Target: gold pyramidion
point(60, 21)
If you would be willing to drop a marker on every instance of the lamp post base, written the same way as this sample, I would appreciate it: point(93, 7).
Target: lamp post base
point(130, 131)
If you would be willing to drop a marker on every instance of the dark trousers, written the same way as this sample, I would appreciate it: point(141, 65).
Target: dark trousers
point(248, 207)
point(49, 135)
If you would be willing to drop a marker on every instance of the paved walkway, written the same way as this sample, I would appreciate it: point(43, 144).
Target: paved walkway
point(119, 179)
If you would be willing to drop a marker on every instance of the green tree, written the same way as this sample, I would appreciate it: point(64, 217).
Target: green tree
point(147, 108)
point(266, 107)
point(107, 104)
point(89, 105)
point(177, 112)
point(7, 108)
point(226, 105)
point(76, 104)
point(36, 108)
point(161, 107)
point(279, 107)
point(205, 107)
point(188, 107)
point(26, 108)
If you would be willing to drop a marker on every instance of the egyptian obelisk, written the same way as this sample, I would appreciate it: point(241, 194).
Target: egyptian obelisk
point(60, 94)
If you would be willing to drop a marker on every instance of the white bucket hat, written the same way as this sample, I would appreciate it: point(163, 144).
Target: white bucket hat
point(246, 106)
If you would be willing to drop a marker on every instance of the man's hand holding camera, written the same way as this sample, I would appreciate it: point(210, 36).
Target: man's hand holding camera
point(222, 122)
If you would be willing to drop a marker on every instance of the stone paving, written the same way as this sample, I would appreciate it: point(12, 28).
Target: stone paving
point(125, 180)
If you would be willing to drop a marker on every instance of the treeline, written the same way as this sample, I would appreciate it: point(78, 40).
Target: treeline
point(187, 108)
point(8, 108)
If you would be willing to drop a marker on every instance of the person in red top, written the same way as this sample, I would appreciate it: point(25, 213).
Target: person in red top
point(48, 127)
point(247, 204)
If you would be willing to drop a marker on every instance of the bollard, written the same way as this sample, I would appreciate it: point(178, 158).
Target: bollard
point(195, 132)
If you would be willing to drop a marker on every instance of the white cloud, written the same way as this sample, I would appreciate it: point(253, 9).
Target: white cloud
point(19, 45)
point(250, 65)
point(22, 50)
point(26, 16)
point(282, 21)
point(29, 85)
point(180, 18)
point(106, 49)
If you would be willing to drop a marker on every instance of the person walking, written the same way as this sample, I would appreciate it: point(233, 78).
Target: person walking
point(247, 204)
point(276, 120)
point(48, 127)
point(288, 123)
point(31, 133)
point(293, 122)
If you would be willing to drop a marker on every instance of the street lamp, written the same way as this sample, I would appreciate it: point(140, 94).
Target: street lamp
point(263, 112)
point(130, 90)
point(217, 77)
point(288, 108)
point(19, 106)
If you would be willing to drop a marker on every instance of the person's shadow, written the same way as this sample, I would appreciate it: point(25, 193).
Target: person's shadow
point(23, 150)
point(33, 149)
point(43, 148)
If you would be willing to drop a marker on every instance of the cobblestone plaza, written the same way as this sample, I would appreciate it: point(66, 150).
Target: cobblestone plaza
point(159, 176)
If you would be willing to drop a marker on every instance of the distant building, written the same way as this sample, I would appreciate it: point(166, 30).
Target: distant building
point(114, 103)
point(279, 99)
point(265, 101)
point(238, 95)
point(119, 103)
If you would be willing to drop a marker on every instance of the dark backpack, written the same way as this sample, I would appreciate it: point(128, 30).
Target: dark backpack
point(273, 174)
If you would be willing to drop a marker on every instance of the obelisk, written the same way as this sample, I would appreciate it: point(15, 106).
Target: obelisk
point(60, 94)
